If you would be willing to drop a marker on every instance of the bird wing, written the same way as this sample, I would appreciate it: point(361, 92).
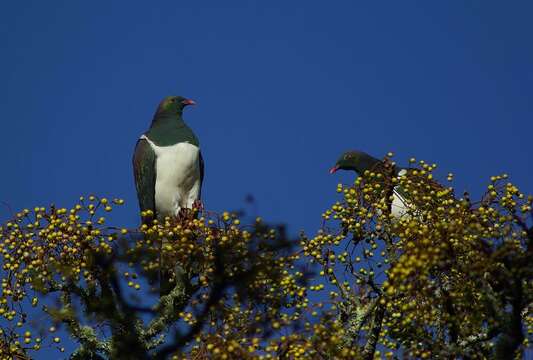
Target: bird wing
point(144, 171)
point(201, 175)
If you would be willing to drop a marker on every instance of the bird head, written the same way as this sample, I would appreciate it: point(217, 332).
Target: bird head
point(174, 104)
point(357, 161)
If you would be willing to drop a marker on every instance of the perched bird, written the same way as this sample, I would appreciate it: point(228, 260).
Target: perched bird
point(167, 163)
point(168, 170)
point(360, 162)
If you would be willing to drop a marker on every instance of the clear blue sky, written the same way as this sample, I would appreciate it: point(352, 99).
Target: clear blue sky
point(282, 88)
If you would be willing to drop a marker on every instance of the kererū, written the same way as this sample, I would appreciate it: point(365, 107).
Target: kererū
point(168, 168)
point(167, 163)
point(360, 162)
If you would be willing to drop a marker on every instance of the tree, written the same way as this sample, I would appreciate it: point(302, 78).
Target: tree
point(450, 278)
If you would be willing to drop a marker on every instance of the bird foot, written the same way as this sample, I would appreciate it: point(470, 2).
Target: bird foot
point(198, 205)
point(183, 215)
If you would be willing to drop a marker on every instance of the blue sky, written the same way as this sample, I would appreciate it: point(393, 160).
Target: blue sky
point(282, 88)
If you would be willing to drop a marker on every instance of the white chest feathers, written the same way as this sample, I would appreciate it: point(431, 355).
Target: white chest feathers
point(177, 177)
point(400, 207)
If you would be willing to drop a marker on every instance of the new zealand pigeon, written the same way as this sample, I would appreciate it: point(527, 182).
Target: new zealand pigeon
point(167, 163)
point(360, 162)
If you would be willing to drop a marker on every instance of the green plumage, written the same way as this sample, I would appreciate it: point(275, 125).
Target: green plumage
point(360, 162)
point(167, 129)
point(145, 174)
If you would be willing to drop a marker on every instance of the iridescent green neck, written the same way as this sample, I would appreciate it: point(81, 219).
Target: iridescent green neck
point(163, 117)
point(169, 129)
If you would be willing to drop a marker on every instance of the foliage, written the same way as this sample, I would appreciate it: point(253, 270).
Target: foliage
point(450, 278)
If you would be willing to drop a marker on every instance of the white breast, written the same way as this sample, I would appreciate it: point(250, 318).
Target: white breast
point(399, 206)
point(178, 177)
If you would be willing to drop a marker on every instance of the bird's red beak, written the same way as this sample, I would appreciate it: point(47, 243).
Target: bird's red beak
point(334, 169)
point(188, 102)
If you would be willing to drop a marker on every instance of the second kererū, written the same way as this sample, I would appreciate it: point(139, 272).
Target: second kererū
point(360, 162)
point(167, 163)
